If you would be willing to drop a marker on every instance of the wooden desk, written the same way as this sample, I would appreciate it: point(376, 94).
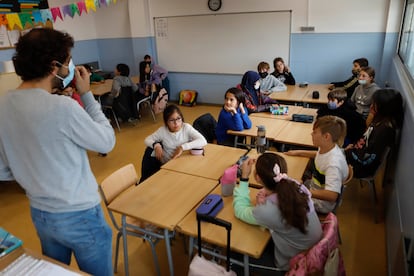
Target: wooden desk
point(98, 89)
point(163, 200)
point(273, 127)
point(323, 94)
point(296, 166)
point(211, 165)
point(296, 133)
point(9, 258)
point(246, 239)
point(292, 110)
point(294, 93)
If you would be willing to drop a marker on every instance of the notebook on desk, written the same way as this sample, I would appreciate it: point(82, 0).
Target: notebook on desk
point(8, 242)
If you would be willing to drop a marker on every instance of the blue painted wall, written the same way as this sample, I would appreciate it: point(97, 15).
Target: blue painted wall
point(315, 58)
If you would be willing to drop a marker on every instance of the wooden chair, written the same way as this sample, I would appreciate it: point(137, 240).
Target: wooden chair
point(370, 180)
point(110, 188)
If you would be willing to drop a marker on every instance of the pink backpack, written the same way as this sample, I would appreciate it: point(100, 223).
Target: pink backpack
point(313, 261)
point(159, 100)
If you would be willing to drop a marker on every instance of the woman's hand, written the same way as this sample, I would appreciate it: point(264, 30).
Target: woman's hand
point(178, 151)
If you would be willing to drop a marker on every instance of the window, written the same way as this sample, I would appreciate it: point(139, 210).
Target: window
point(406, 47)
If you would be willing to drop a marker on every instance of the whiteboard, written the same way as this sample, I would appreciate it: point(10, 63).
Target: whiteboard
point(229, 43)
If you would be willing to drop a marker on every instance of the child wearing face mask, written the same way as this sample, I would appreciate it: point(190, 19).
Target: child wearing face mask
point(362, 97)
point(268, 82)
point(338, 105)
point(255, 101)
point(351, 83)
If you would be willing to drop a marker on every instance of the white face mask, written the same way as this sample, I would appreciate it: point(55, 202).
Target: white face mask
point(257, 85)
point(66, 80)
point(362, 82)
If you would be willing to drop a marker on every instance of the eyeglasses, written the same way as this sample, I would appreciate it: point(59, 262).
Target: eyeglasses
point(176, 120)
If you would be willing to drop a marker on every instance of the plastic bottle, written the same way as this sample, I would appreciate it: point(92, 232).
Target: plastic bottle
point(261, 139)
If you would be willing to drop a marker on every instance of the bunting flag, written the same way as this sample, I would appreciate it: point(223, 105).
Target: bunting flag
point(13, 20)
point(37, 17)
point(91, 4)
point(56, 13)
point(81, 7)
point(46, 15)
point(3, 19)
point(25, 18)
point(32, 16)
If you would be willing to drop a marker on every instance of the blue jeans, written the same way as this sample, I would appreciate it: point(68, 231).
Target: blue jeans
point(85, 233)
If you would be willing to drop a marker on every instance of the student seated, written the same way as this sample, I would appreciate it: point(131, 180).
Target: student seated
point(330, 166)
point(255, 101)
point(124, 102)
point(338, 105)
point(350, 84)
point(233, 116)
point(362, 96)
point(268, 82)
point(283, 206)
point(282, 72)
point(169, 141)
point(365, 155)
point(93, 77)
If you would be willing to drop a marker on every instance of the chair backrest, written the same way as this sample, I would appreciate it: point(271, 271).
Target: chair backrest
point(206, 124)
point(314, 259)
point(117, 182)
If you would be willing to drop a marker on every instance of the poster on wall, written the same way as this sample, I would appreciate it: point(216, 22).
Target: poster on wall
point(19, 14)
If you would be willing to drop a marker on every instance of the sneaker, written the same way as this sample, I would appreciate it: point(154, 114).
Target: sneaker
point(132, 120)
point(102, 154)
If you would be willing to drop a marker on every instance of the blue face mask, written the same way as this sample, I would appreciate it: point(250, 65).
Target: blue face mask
point(332, 105)
point(362, 82)
point(66, 80)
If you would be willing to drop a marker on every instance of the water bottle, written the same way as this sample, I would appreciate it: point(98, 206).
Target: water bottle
point(261, 139)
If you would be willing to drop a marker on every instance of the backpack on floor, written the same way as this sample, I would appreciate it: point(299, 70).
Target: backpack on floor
point(188, 97)
point(159, 100)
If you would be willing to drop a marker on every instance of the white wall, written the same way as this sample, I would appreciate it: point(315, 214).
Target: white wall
point(327, 16)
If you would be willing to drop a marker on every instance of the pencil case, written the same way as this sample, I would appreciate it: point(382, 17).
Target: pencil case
point(211, 205)
point(303, 118)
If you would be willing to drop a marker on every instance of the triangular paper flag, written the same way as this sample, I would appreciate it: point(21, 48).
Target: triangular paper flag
point(56, 13)
point(81, 7)
point(3, 19)
point(25, 18)
point(90, 4)
point(46, 15)
point(12, 20)
point(37, 17)
point(66, 10)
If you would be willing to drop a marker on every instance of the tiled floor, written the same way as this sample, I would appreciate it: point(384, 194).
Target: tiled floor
point(363, 241)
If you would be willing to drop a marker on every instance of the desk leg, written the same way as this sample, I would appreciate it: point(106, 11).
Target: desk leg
point(124, 239)
point(169, 254)
point(246, 264)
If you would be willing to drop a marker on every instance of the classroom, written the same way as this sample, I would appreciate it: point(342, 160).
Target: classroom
point(319, 39)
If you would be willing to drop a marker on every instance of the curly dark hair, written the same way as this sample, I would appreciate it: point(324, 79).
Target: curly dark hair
point(38, 51)
point(293, 203)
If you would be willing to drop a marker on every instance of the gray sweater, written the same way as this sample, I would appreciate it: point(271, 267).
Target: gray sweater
point(362, 97)
point(43, 143)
